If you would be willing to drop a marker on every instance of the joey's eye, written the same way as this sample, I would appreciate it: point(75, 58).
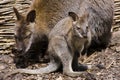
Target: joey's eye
point(78, 28)
point(87, 28)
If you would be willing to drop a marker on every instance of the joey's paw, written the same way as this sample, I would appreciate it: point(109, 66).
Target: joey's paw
point(83, 67)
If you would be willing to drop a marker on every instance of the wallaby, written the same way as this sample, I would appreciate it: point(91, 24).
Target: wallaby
point(61, 50)
point(99, 22)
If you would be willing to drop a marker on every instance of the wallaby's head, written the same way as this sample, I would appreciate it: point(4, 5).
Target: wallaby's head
point(80, 25)
point(23, 36)
point(81, 33)
point(23, 29)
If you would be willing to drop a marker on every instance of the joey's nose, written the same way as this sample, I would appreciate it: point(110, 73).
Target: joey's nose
point(84, 35)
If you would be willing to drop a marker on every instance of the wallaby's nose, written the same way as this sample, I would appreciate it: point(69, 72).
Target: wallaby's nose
point(84, 35)
point(20, 50)
point(14, 49)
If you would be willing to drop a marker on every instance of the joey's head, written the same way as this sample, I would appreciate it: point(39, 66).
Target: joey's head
point(23, 30)
point(80, 25)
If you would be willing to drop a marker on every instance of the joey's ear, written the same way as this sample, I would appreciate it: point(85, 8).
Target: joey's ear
point(73, 15)
point(31, 16)
point(18, 16)
point(84, 18)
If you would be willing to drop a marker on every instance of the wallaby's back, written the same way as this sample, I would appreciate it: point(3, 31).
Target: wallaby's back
point(49, 12)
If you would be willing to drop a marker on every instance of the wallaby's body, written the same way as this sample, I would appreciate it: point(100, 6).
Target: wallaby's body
point(50, 12)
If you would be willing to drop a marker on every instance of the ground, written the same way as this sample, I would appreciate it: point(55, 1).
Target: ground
point(108, 60)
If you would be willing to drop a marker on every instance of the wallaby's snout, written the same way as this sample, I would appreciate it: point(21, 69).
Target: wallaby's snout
point(23, 31)
point(20, 50)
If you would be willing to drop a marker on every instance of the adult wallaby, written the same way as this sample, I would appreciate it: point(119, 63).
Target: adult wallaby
point(48, 13)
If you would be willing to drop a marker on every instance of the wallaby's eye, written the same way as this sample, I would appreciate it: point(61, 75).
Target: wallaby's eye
point(15, 36)
point(86, 27)
point(78, 28)
point(28, 34)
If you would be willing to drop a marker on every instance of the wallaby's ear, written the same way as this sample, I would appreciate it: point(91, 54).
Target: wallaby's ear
point(31, 16)
point(18, 16)
point(73, 15)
